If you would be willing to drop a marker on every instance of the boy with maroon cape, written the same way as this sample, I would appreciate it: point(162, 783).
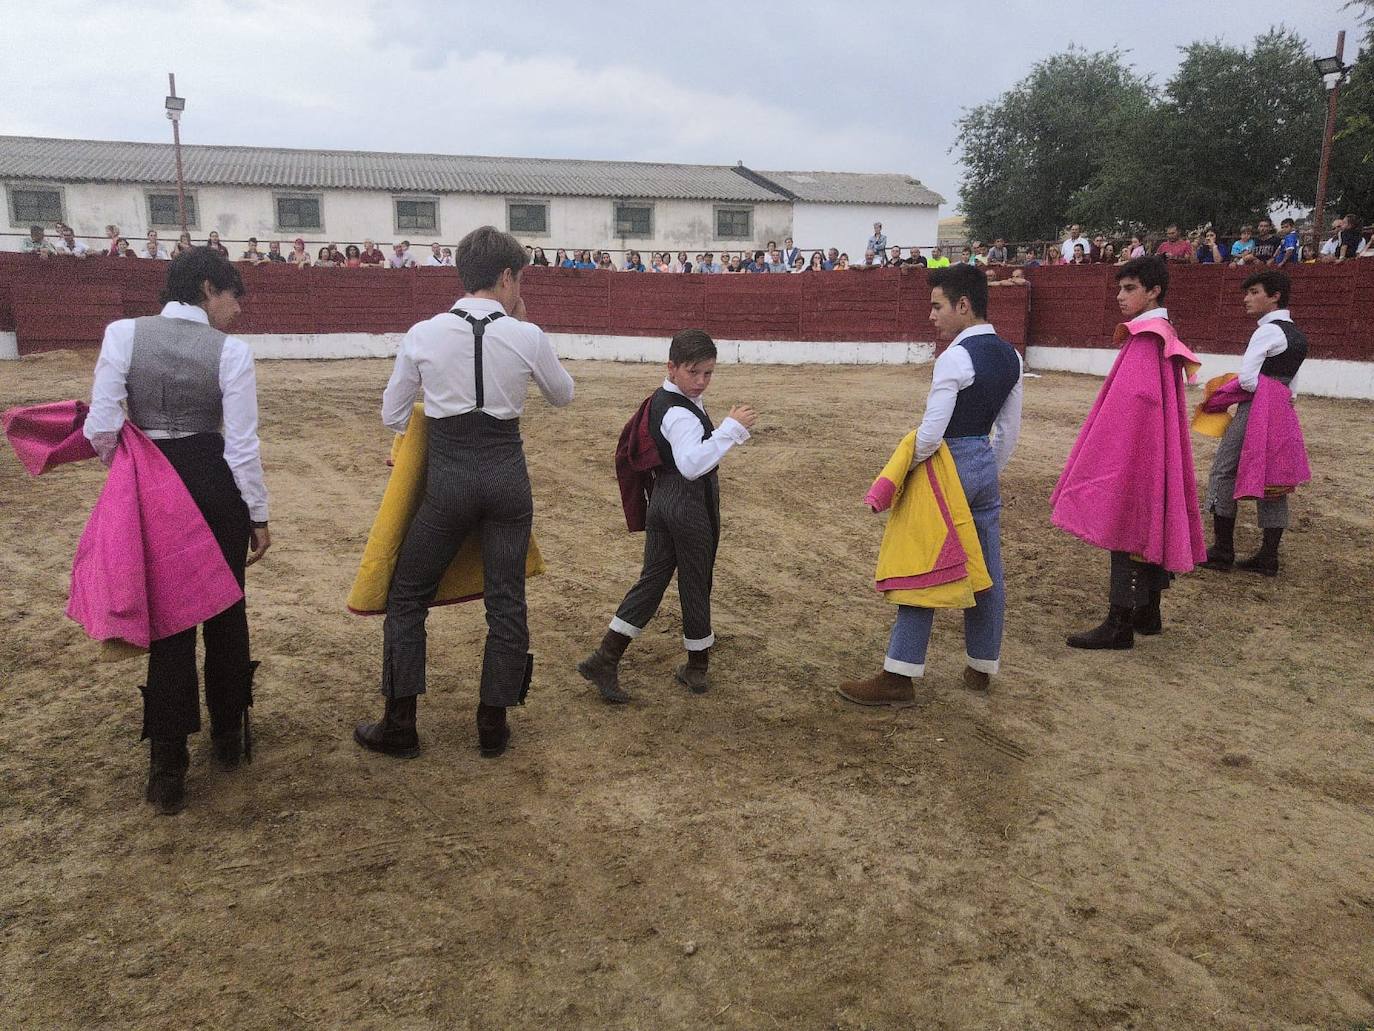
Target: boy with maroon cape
point(1129, 485)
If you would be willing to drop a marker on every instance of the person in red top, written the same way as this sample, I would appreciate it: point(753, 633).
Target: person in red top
point(371, 255)
point(1174, 248)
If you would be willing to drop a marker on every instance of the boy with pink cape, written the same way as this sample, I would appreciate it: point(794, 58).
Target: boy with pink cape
point(1129, 485)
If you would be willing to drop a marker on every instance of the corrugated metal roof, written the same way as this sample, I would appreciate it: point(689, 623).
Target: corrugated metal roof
point(853, 187)
point(28, 157)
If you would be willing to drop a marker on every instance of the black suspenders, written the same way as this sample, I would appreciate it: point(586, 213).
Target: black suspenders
point(479, 327)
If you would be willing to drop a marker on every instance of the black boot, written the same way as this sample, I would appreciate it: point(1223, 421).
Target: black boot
point(231, 735)
point(602, 667)
point(1146, 620)
point(1114, 632)
point(694, 674)
point(1266, 560)
point(168, 760)
point(493, 733)
point(1222, 555)
point(394, 734)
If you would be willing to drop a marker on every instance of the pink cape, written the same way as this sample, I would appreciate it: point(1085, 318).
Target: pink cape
point(1129, 484)
point(147, 565)
point(1273, 457)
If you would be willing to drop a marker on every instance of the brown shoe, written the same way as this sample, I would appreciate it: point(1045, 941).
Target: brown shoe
point(976, 680)
point(891, 689)
point(695, 673)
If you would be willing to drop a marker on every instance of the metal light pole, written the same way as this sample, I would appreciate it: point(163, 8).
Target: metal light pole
point(1332, 71)
point(176, 105)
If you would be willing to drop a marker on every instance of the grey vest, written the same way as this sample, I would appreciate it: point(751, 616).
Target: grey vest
point(173, 382)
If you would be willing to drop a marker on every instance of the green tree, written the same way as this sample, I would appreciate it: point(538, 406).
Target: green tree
point(1351, 185)
point(1028, 153)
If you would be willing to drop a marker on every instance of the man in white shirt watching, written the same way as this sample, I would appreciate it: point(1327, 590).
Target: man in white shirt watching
point(69, 244)
point(1075, 239)
point(472, 366)
point(152, 249)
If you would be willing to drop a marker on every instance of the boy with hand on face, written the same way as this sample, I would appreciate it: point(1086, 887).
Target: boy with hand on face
point(670, 450)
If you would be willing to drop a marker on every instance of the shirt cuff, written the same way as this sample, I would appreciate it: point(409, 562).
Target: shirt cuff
point(734, 429)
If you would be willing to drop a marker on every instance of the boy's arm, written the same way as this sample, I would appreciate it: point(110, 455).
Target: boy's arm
point(953, 372)
point(693, 456)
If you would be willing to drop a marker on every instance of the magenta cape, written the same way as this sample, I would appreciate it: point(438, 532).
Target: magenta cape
point(147, 565)
point(1273, 457)
point(1129, 484)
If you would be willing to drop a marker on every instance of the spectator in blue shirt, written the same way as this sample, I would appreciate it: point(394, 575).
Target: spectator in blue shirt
point(831, 257)
point(1243, 250)
point(760, 262)
point(1209, 253)
point(633, 262)
point(1290, 249)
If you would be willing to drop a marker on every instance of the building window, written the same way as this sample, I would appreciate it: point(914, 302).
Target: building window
point(734, 223)
point(417, 213)
point(36, 205)
point(527, 217)
point(298, 212)
point(162, 211)
point(634, 220)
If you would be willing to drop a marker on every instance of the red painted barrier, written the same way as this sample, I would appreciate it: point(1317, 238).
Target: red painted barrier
point(65, 302)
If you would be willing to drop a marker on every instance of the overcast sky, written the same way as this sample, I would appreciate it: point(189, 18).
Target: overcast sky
point(855, 86)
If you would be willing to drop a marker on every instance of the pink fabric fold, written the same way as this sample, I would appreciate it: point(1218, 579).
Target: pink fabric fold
point(47, 435)
point(1273, 456)
point(880, 495)
point(1129, 483)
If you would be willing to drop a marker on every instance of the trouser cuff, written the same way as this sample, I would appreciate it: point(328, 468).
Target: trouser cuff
point(988, 666)
point(227, 696)
point(905, 669)
point(626, 629)
point(506, 677)
point(699, 644)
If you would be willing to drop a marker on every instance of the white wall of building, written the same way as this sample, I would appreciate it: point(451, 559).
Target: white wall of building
point(847, 227)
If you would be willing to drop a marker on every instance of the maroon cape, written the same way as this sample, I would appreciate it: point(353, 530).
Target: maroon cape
point(636, 457)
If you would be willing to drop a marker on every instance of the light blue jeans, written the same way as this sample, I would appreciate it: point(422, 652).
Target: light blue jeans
point(906, 650)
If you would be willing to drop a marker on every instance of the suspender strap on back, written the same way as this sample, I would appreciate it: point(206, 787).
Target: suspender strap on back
point(479, 327)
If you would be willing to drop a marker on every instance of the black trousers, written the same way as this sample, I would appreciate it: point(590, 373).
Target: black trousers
point(171, 697)
point(476, 482)
point(1132, 581)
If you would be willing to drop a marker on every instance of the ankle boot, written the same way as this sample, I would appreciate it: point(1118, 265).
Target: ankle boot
point(890, 689)
point(493, 734)
point(602, 667)
point(1146, 620)
point(1222, 554)
point(168, 760)
point(1114, 632)
point(1266, 560)
point(395, 733)
point(694, 673)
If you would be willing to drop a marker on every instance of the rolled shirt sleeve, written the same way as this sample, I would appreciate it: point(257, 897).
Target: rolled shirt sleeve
point(1265, 342)
point(398, 400)
point(109, 390)
point(693, 456)
point(239, 387)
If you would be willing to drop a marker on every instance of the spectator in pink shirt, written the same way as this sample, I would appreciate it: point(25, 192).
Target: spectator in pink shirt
point(1174, 248)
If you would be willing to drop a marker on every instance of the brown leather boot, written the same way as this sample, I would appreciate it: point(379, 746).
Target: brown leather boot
point(890, 689)
point(602, 667)
point(977, 680)
point(693, 675)
point(1114, 632)
point(394, 734)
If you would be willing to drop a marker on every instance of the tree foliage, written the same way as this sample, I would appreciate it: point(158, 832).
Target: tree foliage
point(1351, 186)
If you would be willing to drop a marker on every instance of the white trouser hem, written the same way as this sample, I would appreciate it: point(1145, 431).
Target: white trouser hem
point(624, 629)
point(988, 666)
point(700, 644)
point(905, 669)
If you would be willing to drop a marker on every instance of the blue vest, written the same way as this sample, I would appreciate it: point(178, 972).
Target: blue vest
point(996, 370)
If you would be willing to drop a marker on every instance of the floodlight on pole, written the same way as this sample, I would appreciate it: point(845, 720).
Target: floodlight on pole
point(175, 106)
point(1332, 70)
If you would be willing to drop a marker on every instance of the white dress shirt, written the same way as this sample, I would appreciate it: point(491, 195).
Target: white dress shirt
point(1265, 342)
point(693, 456)
point(237, 384)
point(436, 357)
point(161, 254)
point(77, 247)
point(1066, 248)
point(434, 260)
point(954, 372)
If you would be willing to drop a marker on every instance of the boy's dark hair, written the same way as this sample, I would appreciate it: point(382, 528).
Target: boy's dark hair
point(484, 254)
point(1273, 281)
point(190, 269)
point(962, 281)
point(691, 346)
point(1287, 222)
point(1151, 270)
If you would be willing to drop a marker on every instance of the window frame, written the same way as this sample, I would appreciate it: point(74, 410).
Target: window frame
point(615, 219)
point(718, 209)
point(35, 186)
point(192, 200)
point(280, 195)
point(530, 202)
point(425, 198)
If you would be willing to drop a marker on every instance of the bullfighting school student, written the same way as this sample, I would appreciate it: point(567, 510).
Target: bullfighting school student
point(473, 366)
point(682, 523)
point(1276, 352)
point(191, 389)
point(974, 407)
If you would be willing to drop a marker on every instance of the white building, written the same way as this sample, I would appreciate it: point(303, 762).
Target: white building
point(349, 196)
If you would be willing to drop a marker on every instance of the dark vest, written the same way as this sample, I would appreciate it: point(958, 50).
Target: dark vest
point(1285, 366)
point(659, 404)
point(996, 370)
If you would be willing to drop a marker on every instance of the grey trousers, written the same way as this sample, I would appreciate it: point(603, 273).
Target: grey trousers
point(681, 535)
point(1133, 581)
point(476, 483)
point(1221, 485)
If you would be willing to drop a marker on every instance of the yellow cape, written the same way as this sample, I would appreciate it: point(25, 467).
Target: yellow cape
point(916, 531)
point(1212, 424)
point(404, 492)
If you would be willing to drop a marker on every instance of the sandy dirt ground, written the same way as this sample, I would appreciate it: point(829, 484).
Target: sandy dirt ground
point(1179, 836)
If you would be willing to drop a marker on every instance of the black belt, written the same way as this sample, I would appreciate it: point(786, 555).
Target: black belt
point(479, 327)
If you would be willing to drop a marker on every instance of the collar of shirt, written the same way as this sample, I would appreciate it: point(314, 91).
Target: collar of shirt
point(189, 312)
point(1153, 313)
point(1279, 315)
point(479, 305)
point(981, 329)
point(672, 388)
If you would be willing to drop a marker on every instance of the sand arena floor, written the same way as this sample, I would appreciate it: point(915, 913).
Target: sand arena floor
point(1180, 836)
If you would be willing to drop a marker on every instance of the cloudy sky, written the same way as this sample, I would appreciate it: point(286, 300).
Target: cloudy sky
point(858, 86)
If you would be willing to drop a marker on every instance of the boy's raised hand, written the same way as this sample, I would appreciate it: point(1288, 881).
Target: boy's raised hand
point(744, 415)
